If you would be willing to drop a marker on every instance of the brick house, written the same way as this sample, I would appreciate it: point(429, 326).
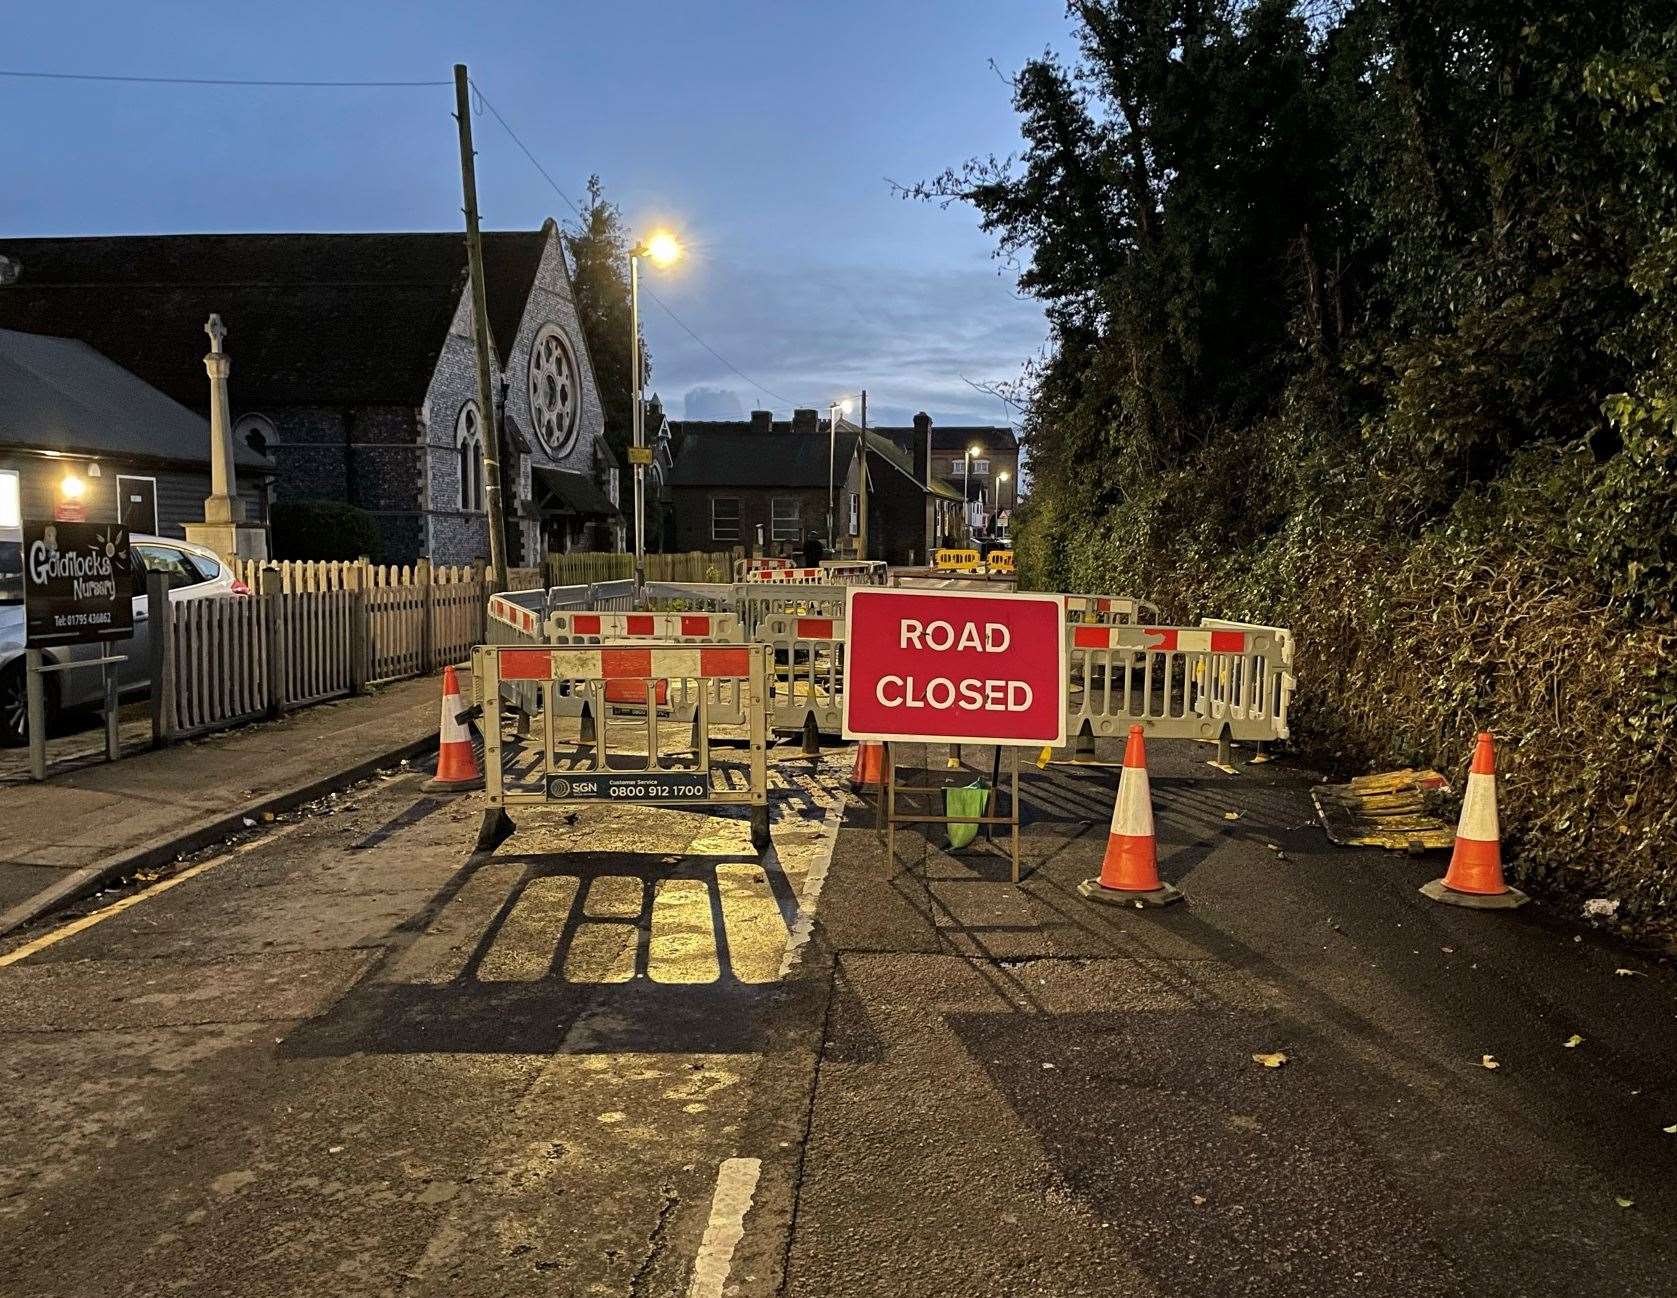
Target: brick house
point(992, 477)
point(354, 370)
point(762, 484)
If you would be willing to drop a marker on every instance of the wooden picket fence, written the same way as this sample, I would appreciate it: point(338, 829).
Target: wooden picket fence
point(308, 633)
point(313, 631)
point(585, 569)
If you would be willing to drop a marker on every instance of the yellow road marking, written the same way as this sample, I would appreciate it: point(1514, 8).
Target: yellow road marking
point(117, 907)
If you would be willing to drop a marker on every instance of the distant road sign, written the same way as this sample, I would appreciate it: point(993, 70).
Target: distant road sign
point(956, 666)
point(640, 455)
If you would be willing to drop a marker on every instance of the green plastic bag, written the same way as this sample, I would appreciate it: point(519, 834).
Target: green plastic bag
point(964, 800)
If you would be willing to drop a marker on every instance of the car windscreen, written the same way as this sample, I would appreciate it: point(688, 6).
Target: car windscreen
point(11, 572)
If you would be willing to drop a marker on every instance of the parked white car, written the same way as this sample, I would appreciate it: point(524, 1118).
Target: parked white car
point(193, 573)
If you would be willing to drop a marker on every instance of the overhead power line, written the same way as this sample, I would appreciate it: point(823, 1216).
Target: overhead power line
point(665, 306)
point(20, 74)
point(208, 81)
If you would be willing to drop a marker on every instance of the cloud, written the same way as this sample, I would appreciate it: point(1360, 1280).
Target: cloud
point(814, 333)
point(713, 403)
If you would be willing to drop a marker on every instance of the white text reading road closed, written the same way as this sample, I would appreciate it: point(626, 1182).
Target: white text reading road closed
point(970, 694)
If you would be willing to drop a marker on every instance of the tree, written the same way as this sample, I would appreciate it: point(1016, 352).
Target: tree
point(599, 248)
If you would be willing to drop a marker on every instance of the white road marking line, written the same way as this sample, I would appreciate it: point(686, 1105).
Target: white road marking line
point(117, 907)
point(736, 1182)
point(797, 938)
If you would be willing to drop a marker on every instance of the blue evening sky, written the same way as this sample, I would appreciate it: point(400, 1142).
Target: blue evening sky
point(764, 131)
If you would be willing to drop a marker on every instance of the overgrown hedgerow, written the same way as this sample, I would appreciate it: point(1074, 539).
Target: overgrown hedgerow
point(1364, 321)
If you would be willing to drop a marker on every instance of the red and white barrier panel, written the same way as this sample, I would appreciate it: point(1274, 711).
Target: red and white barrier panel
point(787, 576)
point(743, 568)
point(1159, 639)
point(516, 615)
point(615, 662)
point(646, 626)
point(1108, 608)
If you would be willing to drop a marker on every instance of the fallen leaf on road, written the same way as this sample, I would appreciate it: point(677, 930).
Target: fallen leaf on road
point(1199, 1200)
point(1488, 1061)
point(1671, 1130)
point(1573, 1041)
point(1630, 973)
point(1274, 1059)
point(335, 1149)
point(1048, 1065)
point(1231, 815)
point(1448, 950)
point(1623, 1202)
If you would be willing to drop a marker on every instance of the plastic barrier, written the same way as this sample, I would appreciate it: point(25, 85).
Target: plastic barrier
point(597, 769)
point(597, 627)
point(787, 576)
point(855, 572)
point(1176, 682)
point(1110, 610)
point(999, 562)
point(806, 694)
point(754, 603)
point(958, 561)
point(516, 617)
point(743, 568)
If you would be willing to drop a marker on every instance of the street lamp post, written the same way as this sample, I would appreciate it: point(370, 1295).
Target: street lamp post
point(834, 410)
point(663, 249)
point(966, 472)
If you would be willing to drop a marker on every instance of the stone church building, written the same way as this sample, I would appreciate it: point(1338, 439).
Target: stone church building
point(354, 370)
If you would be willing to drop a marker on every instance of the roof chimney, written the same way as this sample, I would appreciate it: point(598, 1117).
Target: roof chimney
point(805, 421)
point(762, 421)
point(922, 448)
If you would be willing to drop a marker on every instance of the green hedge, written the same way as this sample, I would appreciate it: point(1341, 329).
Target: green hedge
point(323, 529)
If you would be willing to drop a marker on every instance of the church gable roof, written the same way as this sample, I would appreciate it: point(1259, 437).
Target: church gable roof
point(312, 319)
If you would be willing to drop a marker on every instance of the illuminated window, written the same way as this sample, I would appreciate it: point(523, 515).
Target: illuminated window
point(11, 498)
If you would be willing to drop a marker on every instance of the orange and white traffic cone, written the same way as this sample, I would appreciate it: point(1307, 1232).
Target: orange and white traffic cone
point(869, 772)
point(1474, 878)
point(1130, 869)
point(457, 768)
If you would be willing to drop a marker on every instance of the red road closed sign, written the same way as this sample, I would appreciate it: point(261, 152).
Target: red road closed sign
point(959, 666)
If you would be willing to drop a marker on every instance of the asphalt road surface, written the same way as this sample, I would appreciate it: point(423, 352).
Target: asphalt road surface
point(629, 1055)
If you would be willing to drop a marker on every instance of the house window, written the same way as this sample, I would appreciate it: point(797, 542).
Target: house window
point(784, 519)
point(855, 514)
point(468, 440)
point(724, 518)
point(977, 467)
point(613, 484)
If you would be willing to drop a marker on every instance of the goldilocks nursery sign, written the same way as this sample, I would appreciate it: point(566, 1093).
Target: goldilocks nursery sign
point(78, 583)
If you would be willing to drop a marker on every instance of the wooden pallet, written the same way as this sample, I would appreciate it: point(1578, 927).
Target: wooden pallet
point(1395, 809)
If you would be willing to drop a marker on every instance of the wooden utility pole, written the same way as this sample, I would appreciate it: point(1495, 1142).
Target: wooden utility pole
point(480, 331)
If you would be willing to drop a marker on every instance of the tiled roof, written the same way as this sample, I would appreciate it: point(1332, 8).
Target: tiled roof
point(328, 319)
point(61, 395)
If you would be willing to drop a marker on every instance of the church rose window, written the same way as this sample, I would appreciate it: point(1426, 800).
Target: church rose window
point(555, 395)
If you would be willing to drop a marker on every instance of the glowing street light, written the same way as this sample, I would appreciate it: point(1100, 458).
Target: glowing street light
point(662, 249)
point(842, 406)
